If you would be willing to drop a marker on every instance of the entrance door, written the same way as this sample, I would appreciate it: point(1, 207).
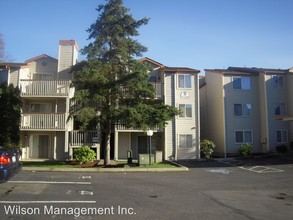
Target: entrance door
point(40, 146)
point(142, 145)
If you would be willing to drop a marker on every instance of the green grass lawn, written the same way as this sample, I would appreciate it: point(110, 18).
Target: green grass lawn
point(49, 164)
point(164, 164)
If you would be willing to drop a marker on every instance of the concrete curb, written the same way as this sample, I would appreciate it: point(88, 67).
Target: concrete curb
point(105, 170)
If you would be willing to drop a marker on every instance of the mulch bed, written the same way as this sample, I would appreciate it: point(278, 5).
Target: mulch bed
point(92, 164)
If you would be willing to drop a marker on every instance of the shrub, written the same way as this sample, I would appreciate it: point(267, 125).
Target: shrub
point(245, 150)
point(207, 148)
point(84, 154)
point(281, 149)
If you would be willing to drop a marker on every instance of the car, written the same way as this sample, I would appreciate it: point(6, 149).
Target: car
point(9, 163)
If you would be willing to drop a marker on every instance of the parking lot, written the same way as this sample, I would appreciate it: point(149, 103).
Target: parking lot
point(260, 188)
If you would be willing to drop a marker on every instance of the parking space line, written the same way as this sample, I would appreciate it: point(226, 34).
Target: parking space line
point(246, 166)
point(41, 202)
point(50, 182)
point(261, 169)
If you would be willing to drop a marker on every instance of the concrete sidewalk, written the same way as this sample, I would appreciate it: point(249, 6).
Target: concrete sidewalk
point(105, 170)
point(178, 168)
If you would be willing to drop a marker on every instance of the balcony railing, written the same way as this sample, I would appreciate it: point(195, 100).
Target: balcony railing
point(159, 88)
point(78, 138)
point(44, 87)
point(43, 121)
point(122, 127)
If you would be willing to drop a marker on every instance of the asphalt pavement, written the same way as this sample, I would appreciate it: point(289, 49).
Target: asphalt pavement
point(223, 188)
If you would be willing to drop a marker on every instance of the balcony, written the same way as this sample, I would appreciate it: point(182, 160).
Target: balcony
point(44, 87)
point(159, 90)
point(43, 121)
point(78, 138)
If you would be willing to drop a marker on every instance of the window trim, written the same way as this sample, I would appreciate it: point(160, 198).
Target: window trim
point(185, 147)
point(242, 110)
point(241, 78)
point(278, 83)
point(243, 132)
point(184, 86)
point(282, 138)
point(284, 110)
point(185, 115)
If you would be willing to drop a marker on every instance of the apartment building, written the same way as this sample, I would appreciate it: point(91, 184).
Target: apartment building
point(176, 86)
point(44, 83)
point(47, 133)
point(247, 105)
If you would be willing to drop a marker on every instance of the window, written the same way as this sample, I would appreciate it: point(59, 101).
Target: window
point(280, 109)
point(184, 81)
point(41, 107)
point(278, 82)
point(241, 83)
point(282, 136)
point(153, 79)
point(3, 76)
point(42, 76)
point(242, 110)
point(242, 137)
point(185, 141)
point(185, 110)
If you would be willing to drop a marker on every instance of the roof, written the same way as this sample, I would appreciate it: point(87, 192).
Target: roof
point(9, 64)
point(180, 69)
point(258, 70)
point(146, 59)
point(68, 42)
point(230, 72)
point(245, 71)
point(39, 57)
point(169, 69)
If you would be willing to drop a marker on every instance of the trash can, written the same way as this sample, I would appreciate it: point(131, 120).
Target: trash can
point(129, 156)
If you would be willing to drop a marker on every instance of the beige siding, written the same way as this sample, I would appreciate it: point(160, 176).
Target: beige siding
point(14, 76)
point(170, 128)
point(216, 111)
point(240, 123)
point(67, 58)
point(203, 112)
point(187, 126)
point(43, 65)
point(290, 103)
point(264, 133)
point(275, 96)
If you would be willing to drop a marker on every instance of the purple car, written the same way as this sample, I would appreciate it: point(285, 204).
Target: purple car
point(9, 163)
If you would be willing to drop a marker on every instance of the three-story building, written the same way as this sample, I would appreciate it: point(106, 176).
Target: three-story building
point(247, 105)
point(175, 86)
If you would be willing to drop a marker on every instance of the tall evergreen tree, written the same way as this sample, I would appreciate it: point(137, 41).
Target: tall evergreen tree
point(10, 116)
point(111, 86)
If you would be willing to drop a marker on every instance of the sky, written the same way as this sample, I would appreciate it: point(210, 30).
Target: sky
point(199, 34)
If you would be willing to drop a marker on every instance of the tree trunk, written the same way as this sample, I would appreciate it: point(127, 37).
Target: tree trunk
point(107, 147)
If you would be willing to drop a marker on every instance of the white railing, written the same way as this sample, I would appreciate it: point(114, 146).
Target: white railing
point(78, 138)
point(43, 121)
point(30, 87)
point(159, 88)
point(121, 126)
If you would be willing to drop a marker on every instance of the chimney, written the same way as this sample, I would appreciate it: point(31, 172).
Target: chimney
point(68, 56)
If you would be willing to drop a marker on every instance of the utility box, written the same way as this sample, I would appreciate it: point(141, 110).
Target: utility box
point(159, 156)
point(144, 159)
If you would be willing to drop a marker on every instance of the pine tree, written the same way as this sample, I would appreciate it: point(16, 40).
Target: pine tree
point(10, 116)
point(111, 86)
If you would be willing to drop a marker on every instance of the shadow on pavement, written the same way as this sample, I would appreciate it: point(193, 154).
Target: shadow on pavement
point(257, 160)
